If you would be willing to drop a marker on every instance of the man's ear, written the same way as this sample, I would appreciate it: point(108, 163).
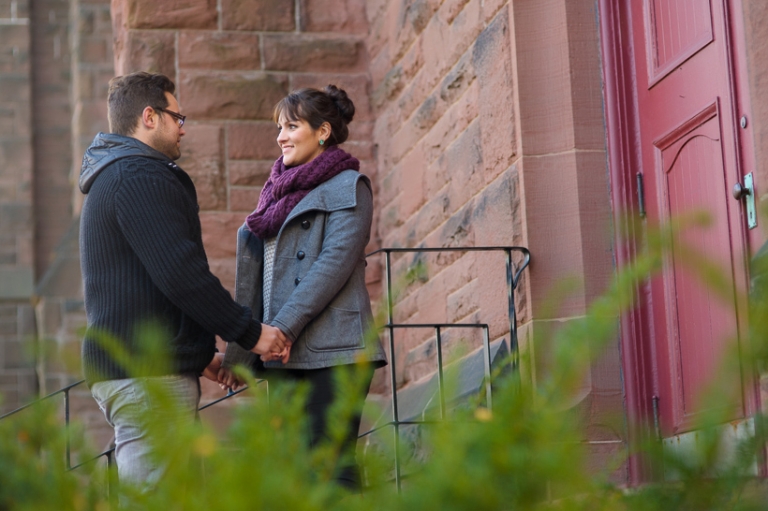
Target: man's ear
point(149, 118)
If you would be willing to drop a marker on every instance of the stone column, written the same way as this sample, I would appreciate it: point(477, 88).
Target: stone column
point(17, 326)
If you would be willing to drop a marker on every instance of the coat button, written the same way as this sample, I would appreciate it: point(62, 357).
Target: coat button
point(297, 281)
point(300, 255)
point(305, 224)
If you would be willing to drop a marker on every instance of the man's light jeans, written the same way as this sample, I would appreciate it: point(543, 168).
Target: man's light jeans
point(127, 405)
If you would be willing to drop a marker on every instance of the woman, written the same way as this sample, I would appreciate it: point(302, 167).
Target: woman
point(301, 260)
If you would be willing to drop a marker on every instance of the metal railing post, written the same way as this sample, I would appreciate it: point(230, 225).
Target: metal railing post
point(487, 364)
point(511, 284)
point(440, 384)
point(392, 369)
point(67, 430)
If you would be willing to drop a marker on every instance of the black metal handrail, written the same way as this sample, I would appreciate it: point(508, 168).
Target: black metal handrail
point(513, 276)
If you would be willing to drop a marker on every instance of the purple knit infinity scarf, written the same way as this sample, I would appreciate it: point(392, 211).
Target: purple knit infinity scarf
point(286, 186)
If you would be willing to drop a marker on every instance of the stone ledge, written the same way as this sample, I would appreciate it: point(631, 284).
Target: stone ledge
point(16, 283)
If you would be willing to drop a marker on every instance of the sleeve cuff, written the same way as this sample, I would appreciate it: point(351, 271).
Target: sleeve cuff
point(251, 336)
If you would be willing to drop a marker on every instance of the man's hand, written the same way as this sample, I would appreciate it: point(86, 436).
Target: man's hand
point(272, 341)
point(228, 379)
point(212, 371)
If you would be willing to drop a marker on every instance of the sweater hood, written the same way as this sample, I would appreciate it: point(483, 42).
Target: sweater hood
point(107, 148)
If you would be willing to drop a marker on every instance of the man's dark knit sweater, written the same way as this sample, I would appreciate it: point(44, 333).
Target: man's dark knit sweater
point(143, 262)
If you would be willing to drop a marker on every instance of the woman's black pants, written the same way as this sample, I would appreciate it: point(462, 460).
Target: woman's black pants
point(322, 394)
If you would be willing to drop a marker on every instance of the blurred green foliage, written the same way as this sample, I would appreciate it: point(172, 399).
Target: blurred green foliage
point(528, 453)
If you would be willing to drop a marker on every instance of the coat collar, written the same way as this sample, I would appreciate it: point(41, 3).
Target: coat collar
point(339, 192)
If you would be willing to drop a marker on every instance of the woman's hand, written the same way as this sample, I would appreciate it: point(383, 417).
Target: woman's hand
point(283, 356)
point(271, 341)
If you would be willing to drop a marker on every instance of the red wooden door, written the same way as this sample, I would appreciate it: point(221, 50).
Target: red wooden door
point(689, 156)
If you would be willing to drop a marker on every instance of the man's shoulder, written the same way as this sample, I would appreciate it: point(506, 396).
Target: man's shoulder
point(140, 168)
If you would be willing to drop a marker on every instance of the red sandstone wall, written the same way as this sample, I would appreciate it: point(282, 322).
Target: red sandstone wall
point(443, 93)
point(232, 62)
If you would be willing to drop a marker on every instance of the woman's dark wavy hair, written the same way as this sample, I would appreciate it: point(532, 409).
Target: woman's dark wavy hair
point(129, 95)
point(331, 105)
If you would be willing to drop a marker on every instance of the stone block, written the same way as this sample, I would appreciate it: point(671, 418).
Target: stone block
point(218, 50)
point(25, 249)
point(49, 317)
point(497, 215)
point(101, 77)
point(15, 87)
point(103, 18)
point(244, 198)
point(16, 283)
point(93, 50)
point(15, 217)
point(231, 96)
point(14, 36)
point(249, 172)
point(26, 321)
point(211, 187)
point(202, 152)
point(451, 124)
point(492, 60)
point(17, 355)
point(171, 14)
point(225, 271)
point(7, 256)
point(220, 234)
point(264, 15)
point(313, 53)
point(16, 169)
point(363, 151)
point(463, 161)
point(7, 120)
point(146, 50)
point(338, 16)
point(83, 84)
point(356, 86)
point(8, 328)
point(86, 21)
point(464, 301)
point(253, 141)
point(411, 181)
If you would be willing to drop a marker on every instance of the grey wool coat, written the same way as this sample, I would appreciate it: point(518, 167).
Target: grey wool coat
point(319, 297)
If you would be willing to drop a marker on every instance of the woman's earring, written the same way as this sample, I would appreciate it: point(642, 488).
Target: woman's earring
point(322, 141)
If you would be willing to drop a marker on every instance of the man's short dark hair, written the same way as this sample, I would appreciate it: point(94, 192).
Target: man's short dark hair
point(129, 95)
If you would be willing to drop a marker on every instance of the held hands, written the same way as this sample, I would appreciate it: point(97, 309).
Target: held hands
point(272, 345)
point(271, 342)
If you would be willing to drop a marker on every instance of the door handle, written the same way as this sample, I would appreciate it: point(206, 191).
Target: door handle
point(747, 192)
point(739, 192)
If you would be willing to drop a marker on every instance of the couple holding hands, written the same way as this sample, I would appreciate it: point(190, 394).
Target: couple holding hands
point(301, 310)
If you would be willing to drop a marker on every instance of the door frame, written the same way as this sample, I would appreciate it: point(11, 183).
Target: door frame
point(624, 159)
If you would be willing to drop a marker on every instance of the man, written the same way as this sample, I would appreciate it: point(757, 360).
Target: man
point(143, 263)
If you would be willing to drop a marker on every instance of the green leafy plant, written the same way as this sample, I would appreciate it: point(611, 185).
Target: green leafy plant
point(527, 453)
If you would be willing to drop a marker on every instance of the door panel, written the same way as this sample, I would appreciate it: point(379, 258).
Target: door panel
point(698, 320)
point(676, 30)
point(687, 138)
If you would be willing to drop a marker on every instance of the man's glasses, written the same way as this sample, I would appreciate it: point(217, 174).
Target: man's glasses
point(175, 115)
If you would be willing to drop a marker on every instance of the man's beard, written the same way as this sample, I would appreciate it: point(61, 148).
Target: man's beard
point(167, 145)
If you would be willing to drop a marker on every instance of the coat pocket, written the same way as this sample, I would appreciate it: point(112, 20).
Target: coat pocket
point(335, 330)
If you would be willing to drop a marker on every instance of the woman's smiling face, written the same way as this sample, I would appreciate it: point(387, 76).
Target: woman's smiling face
point(298, 141)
